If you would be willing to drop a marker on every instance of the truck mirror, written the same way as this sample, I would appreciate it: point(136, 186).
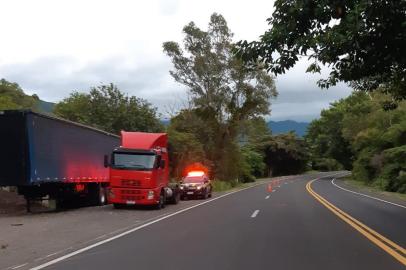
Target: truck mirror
point(106, 161)
point(162, 164)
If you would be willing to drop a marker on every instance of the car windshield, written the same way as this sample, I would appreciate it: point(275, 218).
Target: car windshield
point(133, 161)
point(193, 179)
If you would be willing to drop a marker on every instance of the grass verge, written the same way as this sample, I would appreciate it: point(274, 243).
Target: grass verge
point(373, 189)
point(222, 186)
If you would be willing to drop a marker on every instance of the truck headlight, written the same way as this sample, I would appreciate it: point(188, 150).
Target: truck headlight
point(150, 195)
point(199, 187)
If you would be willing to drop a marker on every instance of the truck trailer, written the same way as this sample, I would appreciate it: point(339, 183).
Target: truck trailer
point(49, 157)
point(139, 171)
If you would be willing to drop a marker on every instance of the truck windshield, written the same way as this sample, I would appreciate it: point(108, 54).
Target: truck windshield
point(133, 161)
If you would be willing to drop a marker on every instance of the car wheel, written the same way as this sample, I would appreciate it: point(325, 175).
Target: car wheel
point(206, 194)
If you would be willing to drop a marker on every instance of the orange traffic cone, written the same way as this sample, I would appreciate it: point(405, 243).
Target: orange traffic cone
point(269, 187)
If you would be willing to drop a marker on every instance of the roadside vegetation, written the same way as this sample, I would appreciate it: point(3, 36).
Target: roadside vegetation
point(361, 133)
point(365, 188)
point(231, 85)
point(362, 42)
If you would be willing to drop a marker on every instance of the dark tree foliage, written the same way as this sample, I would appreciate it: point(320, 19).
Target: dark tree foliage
point(285, 154)
point(362, 41)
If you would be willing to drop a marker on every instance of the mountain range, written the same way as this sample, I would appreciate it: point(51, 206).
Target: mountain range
point(285, 126)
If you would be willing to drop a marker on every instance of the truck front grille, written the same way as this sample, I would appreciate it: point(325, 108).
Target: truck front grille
point(132, 198)
point(130, 192)
point(130, 183)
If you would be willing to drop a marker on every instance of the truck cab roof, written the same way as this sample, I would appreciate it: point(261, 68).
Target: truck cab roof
point(144, 140)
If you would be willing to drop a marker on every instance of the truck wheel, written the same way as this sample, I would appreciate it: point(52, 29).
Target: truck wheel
point(101, 196)
point(176, 198)
point(161, 203)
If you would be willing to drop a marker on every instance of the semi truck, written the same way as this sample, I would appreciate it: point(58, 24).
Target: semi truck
point(139, 171)
point(48, 157)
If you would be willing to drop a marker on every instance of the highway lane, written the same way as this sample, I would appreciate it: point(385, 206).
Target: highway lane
point(245, 230)
point(388, 219)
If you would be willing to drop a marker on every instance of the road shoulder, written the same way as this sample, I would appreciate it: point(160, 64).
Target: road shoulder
point(355, 186)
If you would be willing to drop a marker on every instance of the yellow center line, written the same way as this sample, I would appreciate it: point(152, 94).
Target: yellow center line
point(384, 243)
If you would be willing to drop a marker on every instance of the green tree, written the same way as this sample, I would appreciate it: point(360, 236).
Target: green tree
point(223, 93)
point(6, 103)
point(371, 137)
point(188, 141)
point(362, 41)
point(107, 108)
point(13, 97)
point(252, 164)
point(328, 145)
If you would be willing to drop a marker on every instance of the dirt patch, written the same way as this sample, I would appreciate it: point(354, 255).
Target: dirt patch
point(11, 203)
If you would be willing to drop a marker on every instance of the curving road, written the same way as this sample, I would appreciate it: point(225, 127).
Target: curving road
point(256, 228)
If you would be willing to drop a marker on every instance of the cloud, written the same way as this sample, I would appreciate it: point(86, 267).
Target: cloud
point(299, 96)
point(57, 47)
point(54, 78)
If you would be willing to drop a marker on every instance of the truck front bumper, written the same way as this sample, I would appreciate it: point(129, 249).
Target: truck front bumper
point(192, 193)
point(129, 196)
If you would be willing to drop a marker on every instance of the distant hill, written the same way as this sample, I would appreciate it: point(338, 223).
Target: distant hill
point(45, 106)
point(165, 122)
point(279, 127)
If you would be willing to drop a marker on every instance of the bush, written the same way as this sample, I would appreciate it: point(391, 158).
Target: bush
point(219, 185)
point(393, 174)
point(364, 169)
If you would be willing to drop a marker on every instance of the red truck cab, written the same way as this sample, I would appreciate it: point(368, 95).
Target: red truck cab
point(139, 171)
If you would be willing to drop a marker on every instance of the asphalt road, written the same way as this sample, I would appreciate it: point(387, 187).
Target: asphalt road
point(256, 229)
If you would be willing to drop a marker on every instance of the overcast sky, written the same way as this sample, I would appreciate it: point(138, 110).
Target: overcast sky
point(54, 47)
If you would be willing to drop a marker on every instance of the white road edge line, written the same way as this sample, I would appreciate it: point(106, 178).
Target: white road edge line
point(19, 266)
point(255, 213)
point(361, 194)
point(54, 261)
point(267, 197)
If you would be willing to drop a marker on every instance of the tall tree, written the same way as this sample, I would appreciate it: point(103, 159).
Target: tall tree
point(107, 108)
point(362, 41)
point(223, 93)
